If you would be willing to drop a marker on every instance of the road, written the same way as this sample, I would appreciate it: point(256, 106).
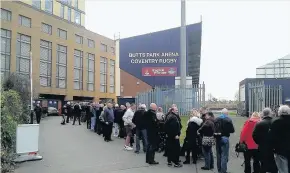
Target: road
point(74, 149)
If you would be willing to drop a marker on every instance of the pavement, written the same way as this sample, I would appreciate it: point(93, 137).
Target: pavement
point(74, 149)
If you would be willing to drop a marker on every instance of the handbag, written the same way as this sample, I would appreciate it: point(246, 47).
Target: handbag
point(208, 141)
point(241, 147)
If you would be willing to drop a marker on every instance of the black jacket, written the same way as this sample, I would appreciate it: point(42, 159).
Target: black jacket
point(224, 125)
point(280, 135)
point(262, 139)
point(191, 131)
point(172, 126)
point(119, 113)
point(77, 110)
point(138, 119)
point(38, 110)
point(151, 125)
point(261, 132)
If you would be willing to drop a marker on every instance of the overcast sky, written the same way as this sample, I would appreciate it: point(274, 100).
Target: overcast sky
point(237, 36)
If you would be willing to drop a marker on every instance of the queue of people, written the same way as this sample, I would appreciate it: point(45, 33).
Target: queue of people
point(267, 139)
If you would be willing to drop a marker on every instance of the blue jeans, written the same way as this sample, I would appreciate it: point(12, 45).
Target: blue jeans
point(282, 163)
point(93, 123)
point(222, 154)
point(142, 133)
point(208, 156)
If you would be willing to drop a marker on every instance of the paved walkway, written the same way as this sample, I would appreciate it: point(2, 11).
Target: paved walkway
point(74, 149)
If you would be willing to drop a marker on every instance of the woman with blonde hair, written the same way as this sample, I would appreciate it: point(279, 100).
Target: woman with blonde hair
point(252, 148)
point(193, 125)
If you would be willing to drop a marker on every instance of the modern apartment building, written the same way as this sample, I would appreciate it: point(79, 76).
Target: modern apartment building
point(69, 61)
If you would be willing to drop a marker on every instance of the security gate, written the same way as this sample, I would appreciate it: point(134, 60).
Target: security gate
point(262, 96)
point(185, 98)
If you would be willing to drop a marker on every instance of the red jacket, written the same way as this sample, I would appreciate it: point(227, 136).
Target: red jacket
point(247, 131)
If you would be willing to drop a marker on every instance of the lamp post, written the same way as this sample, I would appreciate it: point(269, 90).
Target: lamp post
point(183, 45)
point(31, 91)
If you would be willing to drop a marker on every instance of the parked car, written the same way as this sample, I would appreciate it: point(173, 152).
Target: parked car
point(51, 111)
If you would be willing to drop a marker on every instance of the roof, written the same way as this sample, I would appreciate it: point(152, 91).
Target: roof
point(278, 61)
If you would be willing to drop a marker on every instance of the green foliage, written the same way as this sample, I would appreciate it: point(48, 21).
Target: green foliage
point(15, 101)
point(11, 111)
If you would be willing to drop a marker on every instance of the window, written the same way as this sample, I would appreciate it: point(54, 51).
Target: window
point(36, 3)
point(23, 49)
point(5, 14)
point(103, 74)
point(62, 34)
point(104, 48)
point(62, 11)
point(24, 21)
point(46, 28)
point(113, 50)
point(49, 6)
point(76, 4)
point(61, 68)
point(77, 17)
point(45, 63)
point(69, 14)
point(78, 70)
point(91, 72)
point(112, 76)
point(5, 51)
point(91, 43)
point(79, 39)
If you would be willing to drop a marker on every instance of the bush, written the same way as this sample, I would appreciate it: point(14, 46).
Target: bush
point(11, 111)
point(15, 102)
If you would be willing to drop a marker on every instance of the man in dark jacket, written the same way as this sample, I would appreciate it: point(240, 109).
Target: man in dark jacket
point(98, 126)
point(77, 113)
point(69, 112)
point(109, 120)
point(261, 137)
point(138, 120)
point(224, 127)
point(280, 139)
point(151, 127)
point(38, 112)
point(119, 113)
point(172, 128)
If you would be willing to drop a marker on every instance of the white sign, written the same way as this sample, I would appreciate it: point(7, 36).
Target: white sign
point(154, 58)
point(27, 138)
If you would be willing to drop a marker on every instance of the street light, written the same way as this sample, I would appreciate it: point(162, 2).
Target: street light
point(31, 91)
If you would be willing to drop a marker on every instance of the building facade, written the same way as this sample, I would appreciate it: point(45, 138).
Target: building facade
point(279, 68)
point(153, 59)
point(69, 61)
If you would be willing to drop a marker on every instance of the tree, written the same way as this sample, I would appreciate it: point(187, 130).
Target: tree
point(237, 96)
point(11, 115)
point(21, 85)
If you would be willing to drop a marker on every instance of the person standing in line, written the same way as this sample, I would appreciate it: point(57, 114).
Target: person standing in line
point(161, 133)
point(38, 113)
point(116, 120)
point(77, 113)
point(280, 139)
point(138, 120)
point(252, 147)
point(98, 125)
point(208, 140)
point(172, 128)
point(224, 127)
point(151, 127)
point(94, 115)
point(194, 123)
point(261, 137)
point(129, 125)
point(88, 111)
point(109, 120)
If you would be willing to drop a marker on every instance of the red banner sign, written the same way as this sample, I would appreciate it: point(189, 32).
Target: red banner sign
point(159, 71)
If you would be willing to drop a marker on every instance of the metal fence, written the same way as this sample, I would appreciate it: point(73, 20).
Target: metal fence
point(261, 96)
point(185, 98)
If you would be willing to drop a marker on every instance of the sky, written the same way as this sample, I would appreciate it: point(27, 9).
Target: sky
point(237, 36)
